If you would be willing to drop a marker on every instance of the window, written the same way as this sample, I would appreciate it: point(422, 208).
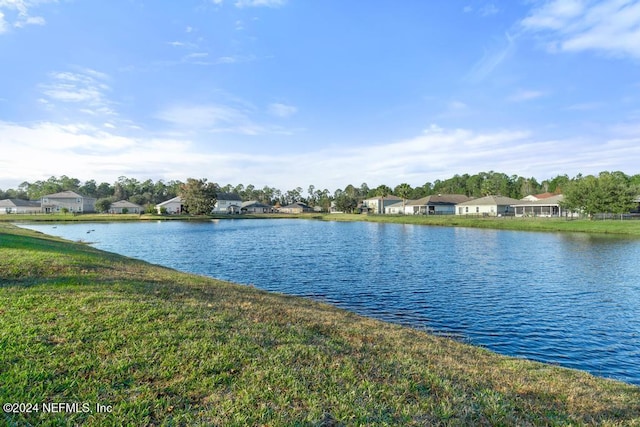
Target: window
point(477, 209)
point(466, 210)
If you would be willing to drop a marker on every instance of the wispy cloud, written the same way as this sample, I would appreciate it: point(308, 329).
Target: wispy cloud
point(611, 27)
point(525, 95)
point(18, 13)
point(488, 9)
point(282, 110)
point(260, 3)
point(492, 58)
point(86, 89)
point(4, 26)
point(92, 152)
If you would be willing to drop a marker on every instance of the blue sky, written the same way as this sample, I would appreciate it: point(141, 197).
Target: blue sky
point(289, 93)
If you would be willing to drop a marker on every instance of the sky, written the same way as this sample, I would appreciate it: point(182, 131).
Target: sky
point(292, 93)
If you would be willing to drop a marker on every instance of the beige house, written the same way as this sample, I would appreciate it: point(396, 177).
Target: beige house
point(69, 200)
point(255, 207)
point(296, 208)
point(124, 206)
point(172, 206)
point(487, 206)
point(19, 206)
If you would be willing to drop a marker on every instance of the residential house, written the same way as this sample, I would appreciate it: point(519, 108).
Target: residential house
point(229, 203)
point(377, 205)
point(395, 209)
point(124, 206)
point(69, 200)
point(533, 198)
point(296, 208)
point(255, 207)
point(544, 207)
point(19, 206)
point(487, 206)
point(172, 206)
point(436, 204)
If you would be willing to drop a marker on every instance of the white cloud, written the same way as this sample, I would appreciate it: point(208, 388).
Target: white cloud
point(88, 152)
point(202, 116)
point(492, 59)
point(260, 3)
point(87, 89)
point(488, 9)
point(282, 110)
point(20, 16)
point(30, 20)
point(4, 27)
point(611, 27)
point(525, 95)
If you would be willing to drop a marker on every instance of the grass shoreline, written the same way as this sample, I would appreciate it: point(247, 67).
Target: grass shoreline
point(169, 348)
point(614, 227)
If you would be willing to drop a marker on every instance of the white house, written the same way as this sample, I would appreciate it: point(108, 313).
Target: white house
point(19, 206)
point(70, 200)
point(395, 209)
point(487, 206)
point(544, 207)
point(124, 206)
point(171, 206)
point(227, 203)
point(376, 205)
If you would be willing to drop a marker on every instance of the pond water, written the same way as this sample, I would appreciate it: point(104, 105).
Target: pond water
point(567, 299)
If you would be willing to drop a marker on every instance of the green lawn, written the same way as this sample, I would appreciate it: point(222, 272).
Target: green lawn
point(161, 347)
point(627, 227)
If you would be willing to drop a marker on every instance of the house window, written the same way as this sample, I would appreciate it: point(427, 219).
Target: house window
point(466, 209)
point(477, 209)
point(78, 201)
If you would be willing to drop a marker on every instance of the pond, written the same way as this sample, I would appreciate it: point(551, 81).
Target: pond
point(561, 298)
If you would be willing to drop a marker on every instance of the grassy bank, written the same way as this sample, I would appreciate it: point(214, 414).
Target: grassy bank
point(161, 347)
point(629, 227)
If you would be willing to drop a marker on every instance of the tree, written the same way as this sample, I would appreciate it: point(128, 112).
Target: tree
point(403, 191)
point(103, 205)
point(346, 203)
point(382, 191)
point(609, 192)
point(198, 196)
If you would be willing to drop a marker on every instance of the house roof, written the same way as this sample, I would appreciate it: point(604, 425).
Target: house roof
point(386, 198)
point(395, 205)
point(176, 199)
point(440, 199)
point(544, 195)
point(64, 195)
point(490, 201)
point(19, 203)
point(125, 204)
point(228, 196)
point(254, 204)
point(553, 200)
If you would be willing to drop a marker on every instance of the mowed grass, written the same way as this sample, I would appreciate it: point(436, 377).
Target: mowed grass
point(622, 227)
point(161, 347)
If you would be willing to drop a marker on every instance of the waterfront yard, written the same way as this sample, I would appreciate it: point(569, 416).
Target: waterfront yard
point(160, 347)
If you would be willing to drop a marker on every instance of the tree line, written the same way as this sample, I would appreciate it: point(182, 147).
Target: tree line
point(606, 192)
